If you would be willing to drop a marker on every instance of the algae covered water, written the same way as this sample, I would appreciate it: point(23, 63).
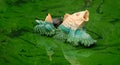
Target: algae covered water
point(20, 45)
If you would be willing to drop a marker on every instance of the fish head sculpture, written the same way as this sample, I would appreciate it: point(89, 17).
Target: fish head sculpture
point(76, 20)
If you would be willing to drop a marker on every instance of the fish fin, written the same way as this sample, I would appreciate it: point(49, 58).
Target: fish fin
point(49, 18)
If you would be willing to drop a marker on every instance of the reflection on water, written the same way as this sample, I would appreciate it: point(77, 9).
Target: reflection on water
point(71, 57)
point(50, 52)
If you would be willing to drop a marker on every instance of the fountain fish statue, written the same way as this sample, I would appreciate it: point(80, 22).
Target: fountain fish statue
point(70, 30)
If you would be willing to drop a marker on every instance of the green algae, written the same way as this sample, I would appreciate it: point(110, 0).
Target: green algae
point(19, 45)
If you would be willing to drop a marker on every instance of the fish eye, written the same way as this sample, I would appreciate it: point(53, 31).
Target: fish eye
point(77, 14)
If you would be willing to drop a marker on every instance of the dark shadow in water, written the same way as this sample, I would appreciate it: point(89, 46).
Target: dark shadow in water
point(98, 35)
point(16, 33)
point(44, 10)
point(99, 48)
point(1, 12)
point(29, 55)
point(26, 55)
point(99, 64)
point(118, 49)
point(29, 42)
point(16, 58)
point(20, 32)
point(98, 10)
point(114, 20)
point(23, 50)
point(5, 17)
point(87, 4)
point(110, 52)
point(5, 40)
point(5, 59)
point(18, 2)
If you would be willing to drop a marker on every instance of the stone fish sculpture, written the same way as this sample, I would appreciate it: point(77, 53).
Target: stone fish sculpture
point(70, 30)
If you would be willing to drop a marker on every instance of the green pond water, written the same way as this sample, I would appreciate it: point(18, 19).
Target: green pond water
point(19, 45)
